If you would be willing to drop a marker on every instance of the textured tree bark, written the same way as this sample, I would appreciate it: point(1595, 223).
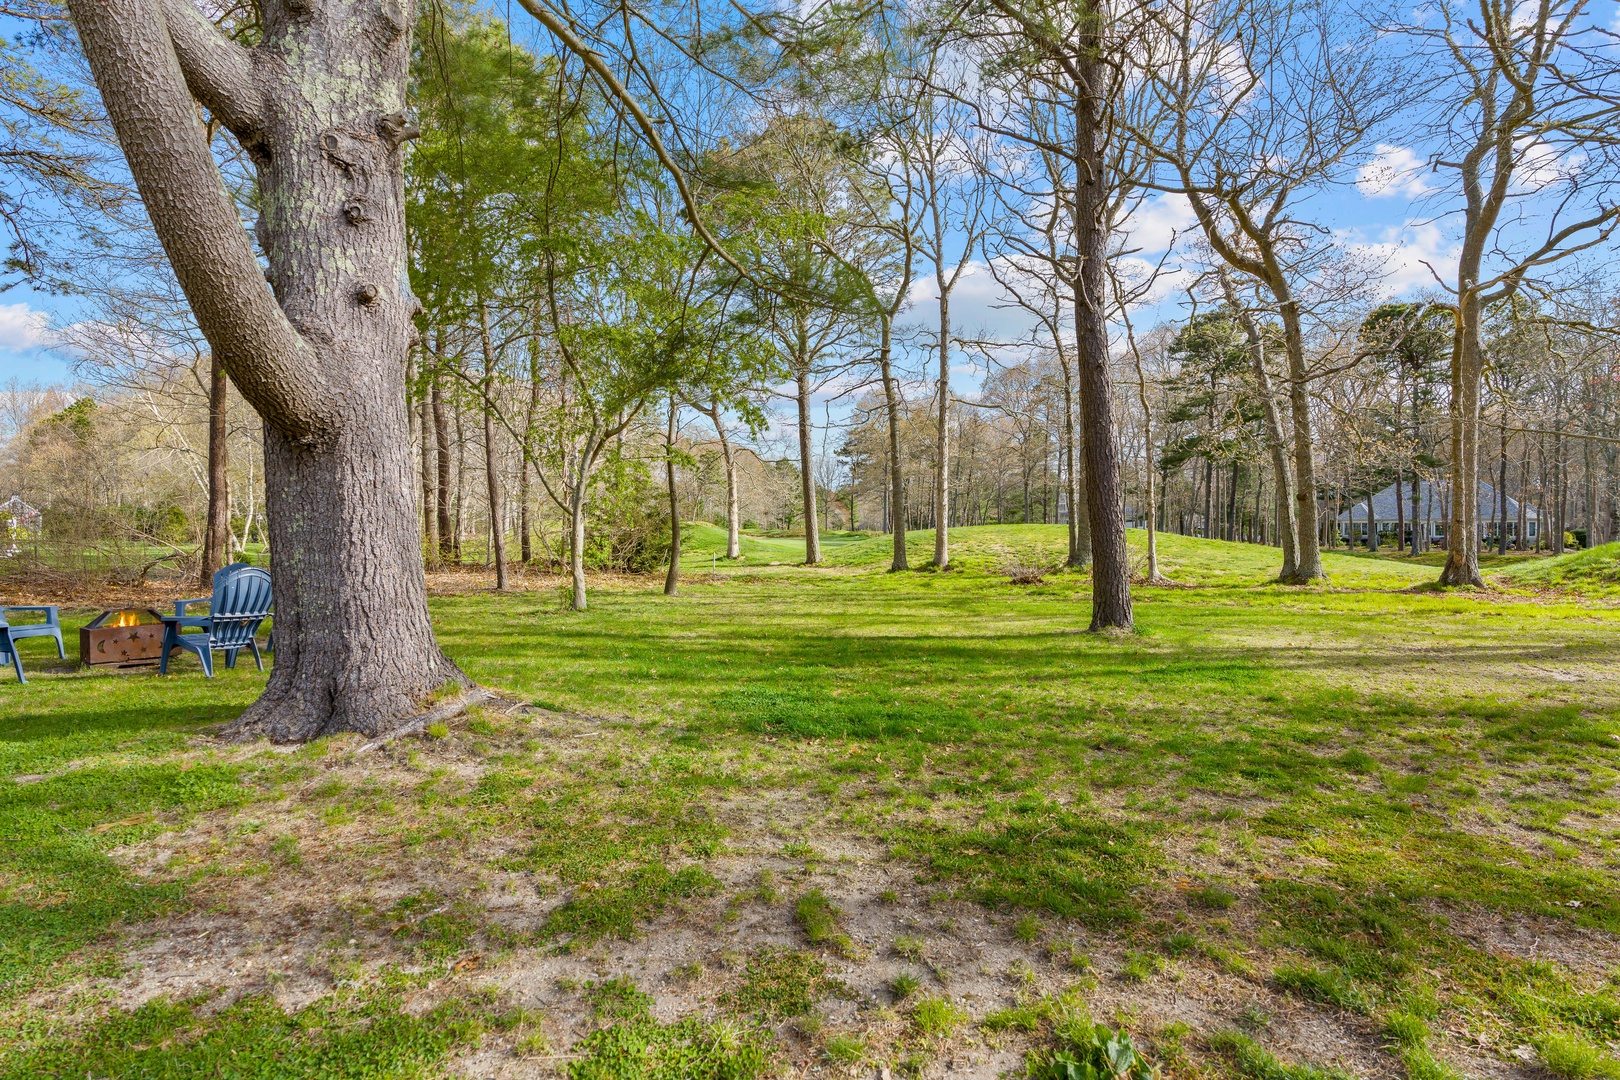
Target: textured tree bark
point(219, 478)
point(897, 480)
point(319, 106)
point(1105, 502)
point(807, 477)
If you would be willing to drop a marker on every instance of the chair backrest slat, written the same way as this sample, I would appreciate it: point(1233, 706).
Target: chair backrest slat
point(241, 601)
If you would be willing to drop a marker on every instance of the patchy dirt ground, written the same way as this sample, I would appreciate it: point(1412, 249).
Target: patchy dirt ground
point(296, 898)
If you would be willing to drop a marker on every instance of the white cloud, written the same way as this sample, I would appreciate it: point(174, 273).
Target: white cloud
point(1541, 165)
point(1155, 223)
point(1395, 171)
point(22, 328)
point(1406, 252)
point(980, 307)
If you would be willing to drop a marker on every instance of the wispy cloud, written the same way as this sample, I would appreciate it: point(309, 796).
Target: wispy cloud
point(23, 328)
point(1407, 253)
point(1396, 171)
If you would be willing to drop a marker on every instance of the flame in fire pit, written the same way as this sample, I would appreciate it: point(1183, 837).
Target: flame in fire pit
point(114, 620)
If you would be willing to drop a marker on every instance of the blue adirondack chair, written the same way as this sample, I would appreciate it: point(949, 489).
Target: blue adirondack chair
point(10, 635)
point(241, 601)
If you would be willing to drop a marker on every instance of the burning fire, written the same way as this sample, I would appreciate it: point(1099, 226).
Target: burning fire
point(124, 618)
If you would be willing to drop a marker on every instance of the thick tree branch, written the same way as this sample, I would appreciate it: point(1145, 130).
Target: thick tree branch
point(128, 46)
point(218, 71)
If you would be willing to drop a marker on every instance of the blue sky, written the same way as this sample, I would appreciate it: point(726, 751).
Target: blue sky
point(25, 322)
point(1387, 211)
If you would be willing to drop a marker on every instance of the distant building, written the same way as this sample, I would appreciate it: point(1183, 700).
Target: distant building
point(18, 521)
point(1433, 514)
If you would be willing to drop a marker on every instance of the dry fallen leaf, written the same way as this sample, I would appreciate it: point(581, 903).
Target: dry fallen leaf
point(138, 819)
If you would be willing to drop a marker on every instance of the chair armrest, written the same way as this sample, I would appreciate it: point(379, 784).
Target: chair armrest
point(180, 605)
point(181, 621)
point(48, 610)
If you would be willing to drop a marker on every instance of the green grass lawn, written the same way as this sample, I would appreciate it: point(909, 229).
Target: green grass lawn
point(702, 545)
point(819, 819)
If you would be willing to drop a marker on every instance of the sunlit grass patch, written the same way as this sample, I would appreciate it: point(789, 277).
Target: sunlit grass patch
point(359, 1036)
point(779, 984)
point(636, 1045)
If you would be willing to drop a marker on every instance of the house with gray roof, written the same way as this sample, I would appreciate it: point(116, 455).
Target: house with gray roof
point(1433, 514)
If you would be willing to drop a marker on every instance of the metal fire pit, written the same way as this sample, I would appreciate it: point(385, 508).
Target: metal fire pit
point(127, 638)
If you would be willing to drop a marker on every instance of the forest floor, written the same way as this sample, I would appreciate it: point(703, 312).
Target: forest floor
point(842, 822)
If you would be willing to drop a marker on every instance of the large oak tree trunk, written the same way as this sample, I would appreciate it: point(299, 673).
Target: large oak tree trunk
point(319, 106)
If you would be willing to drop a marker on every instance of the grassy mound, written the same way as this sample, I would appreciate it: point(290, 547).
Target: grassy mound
point(1590, 573)
point(1188, 560)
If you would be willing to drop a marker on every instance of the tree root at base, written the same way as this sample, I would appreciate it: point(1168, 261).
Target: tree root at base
point(446, 710)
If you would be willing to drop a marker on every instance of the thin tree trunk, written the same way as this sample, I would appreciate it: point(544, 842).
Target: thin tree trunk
point(576, 542)
point(1209, 498)
point(530, 420)
point(942, 440)
point(430, 532)
point(1467, 367)
point(733, 504)
point(461, 479)
point(672, 579)
point(492, 472)
point(1231, 506)
point(1589, 487)
point(807, 480)
point(219, 477)
point(448, 545)
point(897, 484)
point(1501, 484)
point(1308, 550)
